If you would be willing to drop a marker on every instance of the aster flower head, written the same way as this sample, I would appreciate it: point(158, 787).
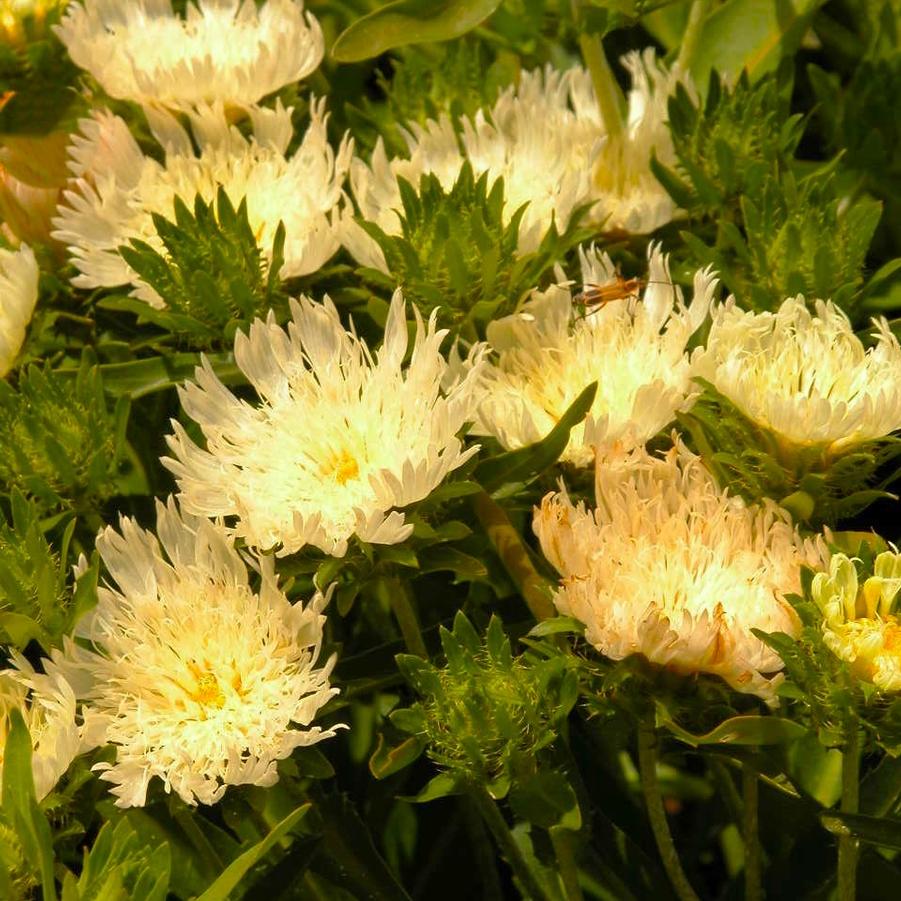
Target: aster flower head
point(627, 196)
point(859, 625)
point(47, 704)
point(116, 188)
point(227, 51)
point(18, 296)
point(339, 438)
point(805, 375)
point(634, 347)
point(528, 138)
point(192, 675)
point(670, 567)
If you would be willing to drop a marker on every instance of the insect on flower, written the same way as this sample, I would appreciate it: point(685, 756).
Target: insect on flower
point(594, 297)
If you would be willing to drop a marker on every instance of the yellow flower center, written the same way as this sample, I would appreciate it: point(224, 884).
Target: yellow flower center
point(344, 468)
point(208, 693)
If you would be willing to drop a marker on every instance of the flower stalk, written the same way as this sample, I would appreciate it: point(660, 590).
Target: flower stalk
point(647, 768)
point(535, 590)
point(397, 592)
point(529, 881)
point(696, 16)
point(848, 846)
point(750, 832)
point(606, 88)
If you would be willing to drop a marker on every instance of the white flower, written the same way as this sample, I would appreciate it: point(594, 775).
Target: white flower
point(229, 51)
point(338, 439)
point(47, 705)
point(633, 347)
point(858, 623)
point(528, 138)
point(805, 376)
point(672, 568)
point(117, 188)
point(194, 677)
point(548, 141)
point(627, 195)
point(18, 296)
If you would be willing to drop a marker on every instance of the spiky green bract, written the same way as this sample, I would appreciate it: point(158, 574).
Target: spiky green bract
point(457, 78)
point(455, 252)
point(732, 146)
point(859, 121)
point(776, 233)
point(213, 278)
point(485, 715)
point(121, 864)
point(36, 600)
point(816, 487)
point(62, 442)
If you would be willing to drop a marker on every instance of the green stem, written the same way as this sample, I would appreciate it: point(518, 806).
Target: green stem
point(401, 603)
point(647, 768)
point(751, 834)
point(847, 844)
point(562, 841)
point(201, 843)
point(696, 16)
point(497, 825)
point(610, 98)
point(481, 849)
point(535, 590)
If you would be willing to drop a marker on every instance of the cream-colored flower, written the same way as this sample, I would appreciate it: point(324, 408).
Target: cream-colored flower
point(627, 195)
point(25, 210)
point(633, 347)
point(117, 188)
point(193, 676)
point(18, 296)
point(858, 623)
point(47, 704)
point(547, 139)
point(671, 567)
point(228, 51)
point(805, 376)
point(339, 439)
point(530, 138)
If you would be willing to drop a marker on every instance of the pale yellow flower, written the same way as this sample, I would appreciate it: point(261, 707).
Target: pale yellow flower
point(228, 51)
point(547, 139)
point(627, 195)
point(192, 675)
point(527, 138)
point(47, 704)
point(670, 567)
point(858, 623)
point(18, 296)
point(116, 188)
point(339, 439)
point(805, 375)
point(634, 347)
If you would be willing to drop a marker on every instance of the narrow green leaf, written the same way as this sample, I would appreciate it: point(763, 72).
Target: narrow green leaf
point(409, 22)
point(228, 880)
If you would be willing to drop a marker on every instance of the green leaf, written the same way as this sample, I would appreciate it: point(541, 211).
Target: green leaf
point(387, 760)
point(20, 806)
point(527, 463)
point(464, 567)
point(222, 888)
point(409, 22)
point(873, 830)
point(750, 34)
point(739, 730)
point(440, 786)
point(138, 378)
point(558, 625)
point(546, 800)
